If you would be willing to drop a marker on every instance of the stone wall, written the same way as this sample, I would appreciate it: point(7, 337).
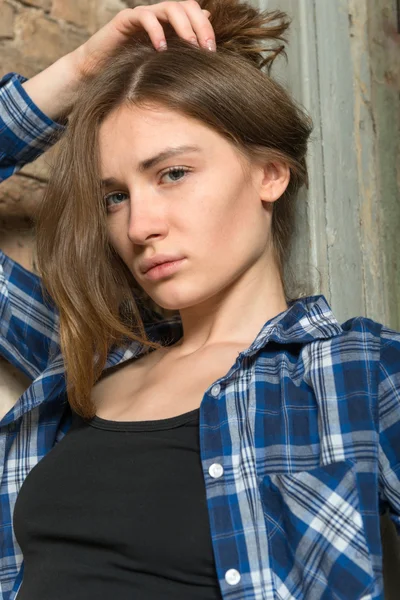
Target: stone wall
point(33, 34)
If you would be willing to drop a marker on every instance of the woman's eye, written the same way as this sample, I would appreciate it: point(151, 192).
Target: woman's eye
point(115, 198)
point(175, 174)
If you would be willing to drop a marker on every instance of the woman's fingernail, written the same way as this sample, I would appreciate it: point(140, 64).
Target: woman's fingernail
point(210, 44)
point(194, 42)
point(162, 45)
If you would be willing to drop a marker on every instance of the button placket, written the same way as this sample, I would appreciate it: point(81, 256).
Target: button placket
point(216, 470)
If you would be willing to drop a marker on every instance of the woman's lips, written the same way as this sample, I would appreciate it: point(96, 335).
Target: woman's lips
point(164, 270)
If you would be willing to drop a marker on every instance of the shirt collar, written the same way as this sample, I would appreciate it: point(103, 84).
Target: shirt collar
point(306, 319)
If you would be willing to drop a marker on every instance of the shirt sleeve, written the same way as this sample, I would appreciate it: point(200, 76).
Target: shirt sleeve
point(389, 423)
point(28, 320)
point(25, 131)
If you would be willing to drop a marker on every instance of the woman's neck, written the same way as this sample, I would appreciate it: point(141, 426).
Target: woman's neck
point(236, 315)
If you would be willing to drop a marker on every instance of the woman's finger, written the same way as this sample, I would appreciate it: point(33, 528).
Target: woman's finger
point(141, 17)
point(200, 24)
point(188, 20)
point(175, 14)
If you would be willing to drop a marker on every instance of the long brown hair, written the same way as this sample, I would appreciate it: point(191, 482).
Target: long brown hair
point(99, 302)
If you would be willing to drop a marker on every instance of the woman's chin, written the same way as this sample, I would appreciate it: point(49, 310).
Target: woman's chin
point(176, 303)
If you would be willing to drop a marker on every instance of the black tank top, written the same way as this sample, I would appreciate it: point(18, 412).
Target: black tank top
point(118, 510)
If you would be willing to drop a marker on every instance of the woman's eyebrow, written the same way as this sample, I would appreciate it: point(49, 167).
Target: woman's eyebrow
point(164, 154)
point(148, 163)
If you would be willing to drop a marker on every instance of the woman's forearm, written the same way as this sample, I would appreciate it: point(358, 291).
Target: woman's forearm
point(54, 90)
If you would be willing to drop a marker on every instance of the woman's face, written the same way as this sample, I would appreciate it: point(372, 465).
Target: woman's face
point(173, 186)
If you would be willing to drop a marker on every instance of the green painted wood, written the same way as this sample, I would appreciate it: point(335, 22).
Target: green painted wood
point(346, 244)
point(384, 50)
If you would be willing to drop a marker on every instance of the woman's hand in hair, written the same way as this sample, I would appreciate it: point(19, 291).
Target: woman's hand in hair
point(187, 18)
point(56, 89)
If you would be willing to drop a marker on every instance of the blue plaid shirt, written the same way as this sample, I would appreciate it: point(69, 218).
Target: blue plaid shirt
point(300, 440)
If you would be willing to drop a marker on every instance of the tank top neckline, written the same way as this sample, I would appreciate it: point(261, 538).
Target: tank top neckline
point(153, 425)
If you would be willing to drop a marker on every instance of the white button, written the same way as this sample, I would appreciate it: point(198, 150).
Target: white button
point(232, 577)
point(216, 470)
point(215, 390)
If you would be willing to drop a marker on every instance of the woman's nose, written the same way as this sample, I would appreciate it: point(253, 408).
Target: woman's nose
point(146, 221)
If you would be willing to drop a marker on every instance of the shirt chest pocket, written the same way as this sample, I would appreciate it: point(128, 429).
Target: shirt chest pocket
point(316, 534)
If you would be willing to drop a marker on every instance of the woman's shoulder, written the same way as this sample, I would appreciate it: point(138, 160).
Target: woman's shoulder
point(364, 343)
point(368, 333)
point(357, 343)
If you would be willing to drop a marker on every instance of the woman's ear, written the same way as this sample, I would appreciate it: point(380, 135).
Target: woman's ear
point(275, 179)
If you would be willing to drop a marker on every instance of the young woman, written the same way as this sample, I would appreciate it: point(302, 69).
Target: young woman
point(241, 448)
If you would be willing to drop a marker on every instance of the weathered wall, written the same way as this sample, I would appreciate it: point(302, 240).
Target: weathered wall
point(343, 67)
